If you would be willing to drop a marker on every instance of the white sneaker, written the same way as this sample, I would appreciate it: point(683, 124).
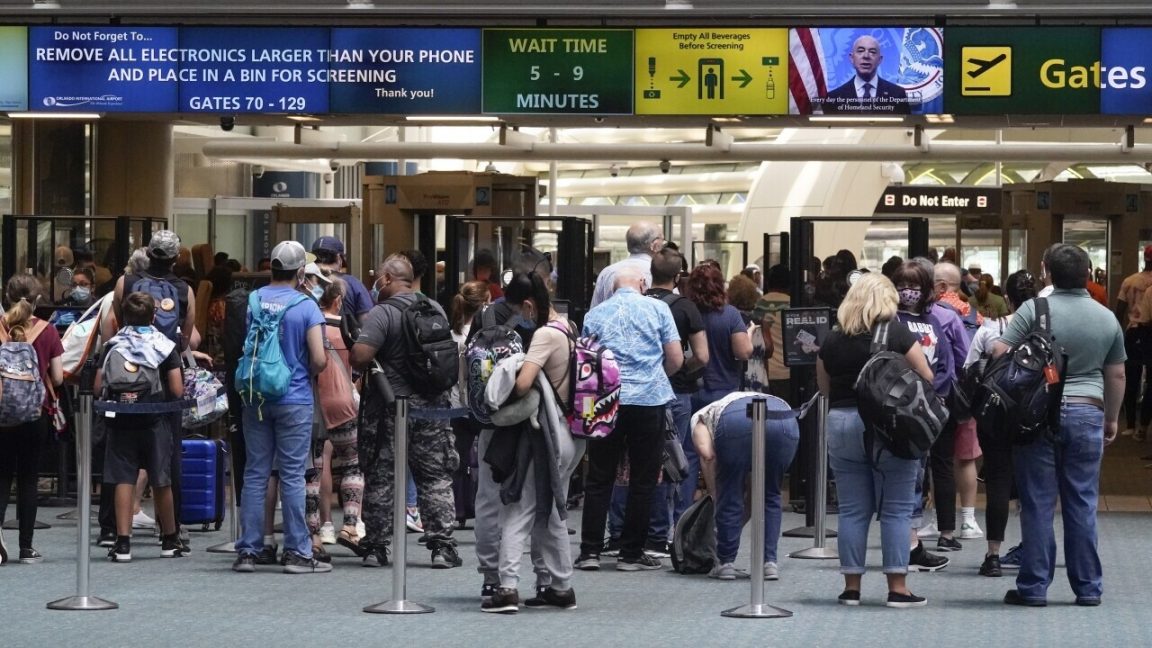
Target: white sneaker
point(142, 521)
point(3, 549)
point(970, 530)
point(412, 520)
point(360, 530)
point(327, 534)
point(929, 531)
point(771, 571)
point(727, 572)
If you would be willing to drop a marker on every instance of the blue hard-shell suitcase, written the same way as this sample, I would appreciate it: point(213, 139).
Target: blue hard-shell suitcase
point(204, 468)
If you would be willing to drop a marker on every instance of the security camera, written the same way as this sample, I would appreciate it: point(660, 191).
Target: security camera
point(598, 120)
point(665, 166)
point(258, 171)
point(614, 170)
point(227, 124)
point(334, 165)
point(327, 178)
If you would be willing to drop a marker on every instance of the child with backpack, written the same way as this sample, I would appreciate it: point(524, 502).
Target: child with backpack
point(140, 366)
point(30, 363)
point(868, 482)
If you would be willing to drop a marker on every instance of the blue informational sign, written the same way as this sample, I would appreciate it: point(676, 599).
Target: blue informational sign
point(254, 70)
point(904, 67)
point(405, 70)
point(103, 69)
point(1123, 75)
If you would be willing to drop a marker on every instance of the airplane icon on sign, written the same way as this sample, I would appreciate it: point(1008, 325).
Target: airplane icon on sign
point(983, 66)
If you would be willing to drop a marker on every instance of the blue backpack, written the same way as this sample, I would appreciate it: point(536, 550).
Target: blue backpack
point(263, 374)
point(167, 296)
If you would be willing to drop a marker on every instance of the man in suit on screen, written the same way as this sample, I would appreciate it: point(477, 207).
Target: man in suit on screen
point(866, 92)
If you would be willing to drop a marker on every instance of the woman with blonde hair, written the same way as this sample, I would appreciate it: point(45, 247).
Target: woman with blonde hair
point(868, 483)
point(20, 444)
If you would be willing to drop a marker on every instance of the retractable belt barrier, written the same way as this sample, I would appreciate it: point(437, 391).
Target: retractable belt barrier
point(818, 550)
point(399, 603)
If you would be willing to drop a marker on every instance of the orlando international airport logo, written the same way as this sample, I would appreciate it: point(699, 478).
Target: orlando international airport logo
point(102, 101)
point(874, 70)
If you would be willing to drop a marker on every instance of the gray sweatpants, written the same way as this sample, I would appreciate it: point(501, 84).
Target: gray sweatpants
point(487, 514)
point(551, 547)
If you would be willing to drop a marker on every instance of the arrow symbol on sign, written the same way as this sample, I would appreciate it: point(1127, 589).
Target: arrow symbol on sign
point(744, 78)
point(683, 78)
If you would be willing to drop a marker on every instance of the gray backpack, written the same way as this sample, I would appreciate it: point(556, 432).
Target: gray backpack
point(21, 385)
point(126, 381)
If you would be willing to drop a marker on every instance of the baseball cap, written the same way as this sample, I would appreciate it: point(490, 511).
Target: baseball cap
point(315, 271)
point(1148, 253)
point(288, 255)
point(164, 244)
point(328, 243)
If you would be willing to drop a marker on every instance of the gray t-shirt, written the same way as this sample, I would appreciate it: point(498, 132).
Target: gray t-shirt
point(1089, 333)
point(381, 330)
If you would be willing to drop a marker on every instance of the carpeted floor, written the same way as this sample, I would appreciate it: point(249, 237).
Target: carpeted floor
point(197, 601)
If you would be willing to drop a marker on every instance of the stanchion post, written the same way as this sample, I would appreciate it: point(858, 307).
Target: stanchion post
point(83, 424)
point(756, 608)
point(234, 513)
point(399, 603)
point(818, 550)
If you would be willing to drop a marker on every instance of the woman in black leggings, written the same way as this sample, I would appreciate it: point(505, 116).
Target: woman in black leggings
point(20, 443)
point(1020, 287)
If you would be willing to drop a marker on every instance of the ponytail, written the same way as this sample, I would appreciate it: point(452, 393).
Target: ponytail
point(458, 306)
point(471, 298)
point(22, 290)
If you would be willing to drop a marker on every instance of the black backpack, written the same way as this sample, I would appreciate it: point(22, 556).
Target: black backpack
point(898, 406)
point(1019, 390)
point(694, 540)
point(432, 358)
point(686, 375)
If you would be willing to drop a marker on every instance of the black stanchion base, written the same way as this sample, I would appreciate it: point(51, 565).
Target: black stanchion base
point(224, 548)
point(807, 532)
point(762, 611)
point(815, 553)
point(15, 524)
point(83, 603)
point(399, 607)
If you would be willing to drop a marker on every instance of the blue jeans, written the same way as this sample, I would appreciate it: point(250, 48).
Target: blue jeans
point(283, 438)
point(410, 500)
point(866, 485)
point(733, 445)
point(1069, 467)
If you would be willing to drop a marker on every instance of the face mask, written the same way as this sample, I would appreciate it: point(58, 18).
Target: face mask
point(317, 291)
point(909, 298)
point(375, 293)
point(81, 293)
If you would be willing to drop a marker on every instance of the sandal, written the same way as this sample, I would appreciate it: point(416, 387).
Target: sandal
point(350, 540)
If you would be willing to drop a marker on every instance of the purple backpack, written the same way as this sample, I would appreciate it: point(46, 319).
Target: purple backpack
point(593, 387)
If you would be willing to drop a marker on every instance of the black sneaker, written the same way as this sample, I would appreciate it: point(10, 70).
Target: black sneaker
point(121, 551)
point(948, 544)
point(612, 548)
point(107, 538)
point(376, 556)
point(588, 562)
point(909, 600)
point(506, 600)
point(30, 556)
point(1087, 601)
point(444, 554)
point(643, 562)
point(185, 544)
point(1012, 597)
point(245, 563)
point(548, 597)
point(487, 590)
point(321, 554)
point(267, 555)
point(991, 567)
point(171, 547)
point(294, 563)
point(850, 598)
point(922, 561)
point(657, 549)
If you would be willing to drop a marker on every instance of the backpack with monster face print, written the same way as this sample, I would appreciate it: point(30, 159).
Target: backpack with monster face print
point(594, 387)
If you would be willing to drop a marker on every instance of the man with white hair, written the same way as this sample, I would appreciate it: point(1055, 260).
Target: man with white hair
point(644, 240)
point(642, 334)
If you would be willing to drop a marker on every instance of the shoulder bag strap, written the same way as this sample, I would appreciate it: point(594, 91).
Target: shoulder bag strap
point(37, 329)
point(1041, 321)
point(880, 337)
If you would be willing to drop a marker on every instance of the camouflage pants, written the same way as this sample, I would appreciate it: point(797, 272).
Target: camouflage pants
point(432, 458)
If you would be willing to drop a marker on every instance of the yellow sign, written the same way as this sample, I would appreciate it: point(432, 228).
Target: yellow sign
point(711, 71)
point(986, 71)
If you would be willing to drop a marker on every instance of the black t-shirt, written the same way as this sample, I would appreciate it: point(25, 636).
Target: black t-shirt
point(845, 355)
point(688, 322)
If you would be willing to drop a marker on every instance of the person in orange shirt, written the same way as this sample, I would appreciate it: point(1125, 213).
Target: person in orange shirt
point(1134, 316)
point(1098, 292)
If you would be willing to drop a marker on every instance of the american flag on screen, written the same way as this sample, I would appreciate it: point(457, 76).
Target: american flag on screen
point(806, 75)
